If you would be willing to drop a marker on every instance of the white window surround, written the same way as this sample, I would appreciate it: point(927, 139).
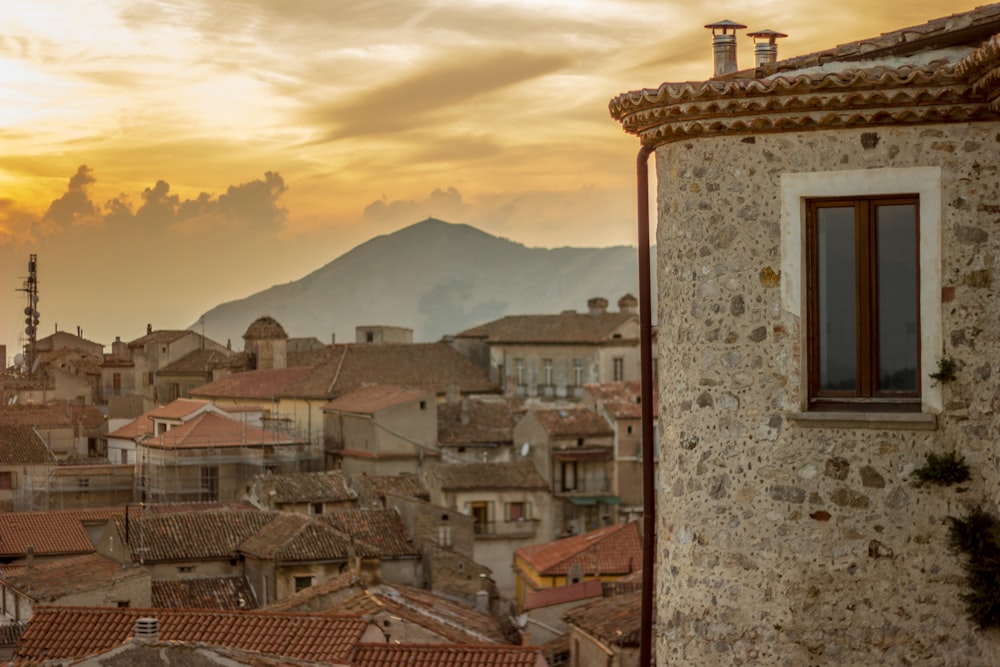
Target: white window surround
point(926, 183)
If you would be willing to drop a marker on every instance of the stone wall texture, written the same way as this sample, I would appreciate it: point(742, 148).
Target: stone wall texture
point(785, 545)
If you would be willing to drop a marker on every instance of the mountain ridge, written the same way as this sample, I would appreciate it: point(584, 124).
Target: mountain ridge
point(434, 277)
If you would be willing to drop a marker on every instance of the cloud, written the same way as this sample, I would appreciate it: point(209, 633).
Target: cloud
point(442, 204)
point(75, 205)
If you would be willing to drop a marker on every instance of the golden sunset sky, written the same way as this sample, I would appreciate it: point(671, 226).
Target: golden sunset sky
point(162, 157)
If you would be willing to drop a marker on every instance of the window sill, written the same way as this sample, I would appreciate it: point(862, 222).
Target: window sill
point(896, 421)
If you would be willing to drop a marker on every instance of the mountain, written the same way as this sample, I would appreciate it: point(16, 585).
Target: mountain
point(434, 277)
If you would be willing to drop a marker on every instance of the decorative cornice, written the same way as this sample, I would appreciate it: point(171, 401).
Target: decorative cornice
point(861, 96)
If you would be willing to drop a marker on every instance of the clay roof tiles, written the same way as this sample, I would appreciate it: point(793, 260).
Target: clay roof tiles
point(222, 593)
point(21, 444)
point(200, 361)
point(265, 328)
point(50, 580)
point(568, 422)
point(259, 385)
point(614, 620)
point(59, 633)
point(438, 655)
point(165, 336)
point(304, 487)
point(471, 421)
point(294, 537)
point(564, 328)
point(371, 399)
point(453, 621)
point(50, 533)
point(382, 529)
point(213, 430)
point(47, 415)
point(376, 487)
point(501, 475)
point(186, 536)
point(611, 550)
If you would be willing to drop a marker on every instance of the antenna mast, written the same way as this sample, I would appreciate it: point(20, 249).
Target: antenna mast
point(31, 316)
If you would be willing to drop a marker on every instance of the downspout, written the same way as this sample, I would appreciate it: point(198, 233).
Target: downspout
point(646, 377)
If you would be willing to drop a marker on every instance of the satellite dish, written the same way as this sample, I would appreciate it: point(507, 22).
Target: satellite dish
point(18, 359)
point(525, 448)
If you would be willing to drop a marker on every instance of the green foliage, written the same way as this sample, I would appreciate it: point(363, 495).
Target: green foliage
point(977, 535)
point(943, 470)
point(947, 370)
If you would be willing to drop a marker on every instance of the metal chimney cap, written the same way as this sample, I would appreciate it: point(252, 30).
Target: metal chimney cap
point(769, 35)
point(724, 25)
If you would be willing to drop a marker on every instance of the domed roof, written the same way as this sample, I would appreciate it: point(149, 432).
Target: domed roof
point(265, 328)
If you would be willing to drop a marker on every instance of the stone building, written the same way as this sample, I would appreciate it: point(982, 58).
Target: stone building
point(826, 242)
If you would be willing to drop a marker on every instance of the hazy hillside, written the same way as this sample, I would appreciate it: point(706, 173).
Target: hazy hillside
point(436, 278)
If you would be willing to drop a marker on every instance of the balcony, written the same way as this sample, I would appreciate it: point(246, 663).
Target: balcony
point(504, 530)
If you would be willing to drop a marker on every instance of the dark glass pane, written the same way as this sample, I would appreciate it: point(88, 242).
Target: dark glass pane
point(837, 311)
point(897, 297)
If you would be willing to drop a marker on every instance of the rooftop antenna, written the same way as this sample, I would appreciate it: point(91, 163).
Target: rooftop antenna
point(31, 316)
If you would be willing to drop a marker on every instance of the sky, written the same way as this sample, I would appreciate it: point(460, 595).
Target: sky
point(162, 157)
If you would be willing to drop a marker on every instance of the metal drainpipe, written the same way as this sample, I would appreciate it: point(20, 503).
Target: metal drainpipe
point(646, 375)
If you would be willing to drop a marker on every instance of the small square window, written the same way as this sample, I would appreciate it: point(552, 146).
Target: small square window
point(302, 583)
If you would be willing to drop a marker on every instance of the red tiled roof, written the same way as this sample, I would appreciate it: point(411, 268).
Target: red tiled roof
point(222, 593)
point(372, 399)
point(48, 415)
point(201, 361)
point(449, 619)
point(257, 385)
point(547, 597)
point(51, 533)
point(506, 475)
point(471, 422)
point(177, 409)
point(213, 430)
point(187, 536)
point(163, 336)
point(138, 427)
point(382, 529)
point(21, 444)
point(609, 551)
point(303, 487)
point(564, 328)
point(444, 655)
point(375, 487)
point(615, 620)
point(58, 633)
point(572, 422)
point(50, 580)
point(294, 537)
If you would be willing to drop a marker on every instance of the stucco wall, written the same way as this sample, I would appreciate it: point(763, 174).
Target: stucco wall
point(781, 543)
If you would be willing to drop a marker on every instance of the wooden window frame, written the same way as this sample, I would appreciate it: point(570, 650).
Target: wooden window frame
point(866, 396)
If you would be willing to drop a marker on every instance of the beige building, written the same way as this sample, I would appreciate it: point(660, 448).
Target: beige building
point(308, 493)
point(554, 356)
point(826, 255)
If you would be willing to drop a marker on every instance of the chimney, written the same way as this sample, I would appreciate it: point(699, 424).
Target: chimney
point(628, 304)
point(765, 50)
point(147, 627)
point(29, 557)
point(482, 596)
point(597, 306)
point(724, 45)
point(149, 329)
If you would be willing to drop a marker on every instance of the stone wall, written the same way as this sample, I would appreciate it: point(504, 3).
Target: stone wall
point(789, 543)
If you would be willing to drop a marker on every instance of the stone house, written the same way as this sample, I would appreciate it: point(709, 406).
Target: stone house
point(573, 449)
point(374, 490)
point(23, 456)
point(477, 430)
point(508, 504)
point(52, 534)
point(826, 248)
point(64, 340)
point(195, 369)
point(606, 554)
point(88, 580)
point(131, 367)
point(553, 356)
point(308, 493)
point(381, 430)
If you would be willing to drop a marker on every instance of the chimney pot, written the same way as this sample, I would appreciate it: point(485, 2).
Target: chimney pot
point(724, 45)
point(147, 627)
point(765, 49)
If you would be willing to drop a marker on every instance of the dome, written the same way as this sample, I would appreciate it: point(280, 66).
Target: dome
point(265, 328)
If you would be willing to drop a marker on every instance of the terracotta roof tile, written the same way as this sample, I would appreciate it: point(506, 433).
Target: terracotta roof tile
point(212, 430)
point(614, 620)
point(573, 422)
point(48, 415)
point(178, 409)
point(199, 362)
point(372, 488)
point(374, 398)
point(506, 475)
point(608, 551)
point(622, 400)
point(51, 533)
point(56, 633)
point(382, 529)
point(21, 444)
point(477, 422)
point(50, 580)
point(443, 655)
point(547, 597)
point(294, 537)
point(186, 536)
point(564, 328)
point(451, 620)
point(304, 487)
point(254, 385)
point(135, 429)
point(341, 593)
point(222, 593)
point(162, 336)
point(265, 328)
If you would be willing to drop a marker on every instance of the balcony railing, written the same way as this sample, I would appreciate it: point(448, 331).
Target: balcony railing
point(506, 529)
